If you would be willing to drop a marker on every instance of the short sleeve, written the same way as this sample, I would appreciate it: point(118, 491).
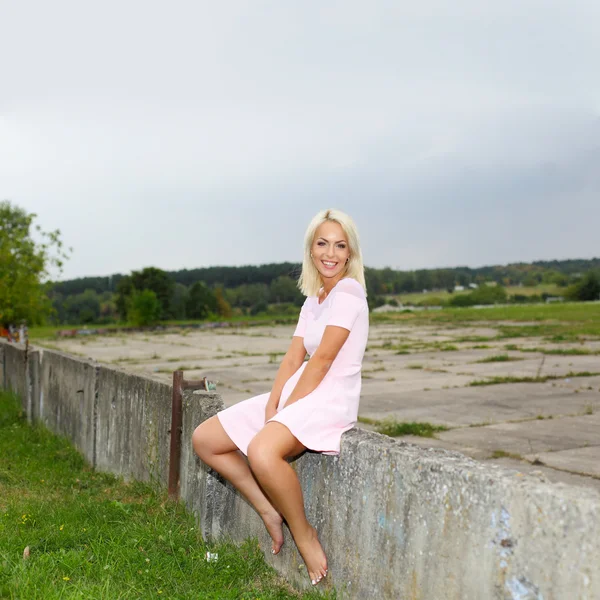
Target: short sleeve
point(301, 326)
point(345, 308)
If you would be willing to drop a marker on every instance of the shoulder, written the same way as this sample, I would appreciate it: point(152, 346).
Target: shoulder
point(350, 286)
point(309, 302)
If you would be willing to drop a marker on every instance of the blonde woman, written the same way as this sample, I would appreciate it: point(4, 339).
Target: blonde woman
point(311, 403)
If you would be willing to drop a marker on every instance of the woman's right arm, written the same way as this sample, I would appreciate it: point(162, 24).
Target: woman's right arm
point(290, 363)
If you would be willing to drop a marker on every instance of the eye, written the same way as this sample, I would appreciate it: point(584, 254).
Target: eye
point(320, 243)
point(342, 246)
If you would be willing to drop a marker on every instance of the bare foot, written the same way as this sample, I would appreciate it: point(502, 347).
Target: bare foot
point(273, 523)
point(313, 555)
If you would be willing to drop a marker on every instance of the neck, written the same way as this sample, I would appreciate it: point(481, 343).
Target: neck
point(330, 282)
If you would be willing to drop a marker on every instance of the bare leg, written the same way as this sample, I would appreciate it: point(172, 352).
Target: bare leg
point(213, 445)
point(267, 453)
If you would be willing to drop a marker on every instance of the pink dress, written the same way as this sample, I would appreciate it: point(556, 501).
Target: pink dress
point(319, 419)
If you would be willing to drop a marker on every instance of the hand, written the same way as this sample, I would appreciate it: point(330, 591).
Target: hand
point(270, 411)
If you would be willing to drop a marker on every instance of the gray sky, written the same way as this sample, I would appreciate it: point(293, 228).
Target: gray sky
point(189, 134)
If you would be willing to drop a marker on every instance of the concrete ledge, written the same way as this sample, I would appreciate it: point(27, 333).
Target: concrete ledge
point(396, 520)
point(400, 521)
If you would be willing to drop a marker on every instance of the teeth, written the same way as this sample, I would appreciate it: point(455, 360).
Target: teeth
point(329, 264)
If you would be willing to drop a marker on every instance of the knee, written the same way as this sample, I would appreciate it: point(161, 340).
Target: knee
point(200, 439)
point(260, 455)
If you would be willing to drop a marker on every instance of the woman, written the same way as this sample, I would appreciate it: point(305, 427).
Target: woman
point(311, 403)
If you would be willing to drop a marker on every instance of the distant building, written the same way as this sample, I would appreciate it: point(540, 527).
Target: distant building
point(459, 288)
point(473, 286)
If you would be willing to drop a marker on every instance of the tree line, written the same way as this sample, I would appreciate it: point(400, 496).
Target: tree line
point(379, 281)
point(152, 295)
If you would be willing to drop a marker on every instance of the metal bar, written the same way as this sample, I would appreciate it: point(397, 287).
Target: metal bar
point(196, 384)
point(175, 453)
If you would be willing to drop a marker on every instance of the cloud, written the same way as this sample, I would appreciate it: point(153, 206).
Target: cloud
point(454, 133)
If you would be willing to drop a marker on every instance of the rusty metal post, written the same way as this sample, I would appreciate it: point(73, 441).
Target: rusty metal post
point(176, 423)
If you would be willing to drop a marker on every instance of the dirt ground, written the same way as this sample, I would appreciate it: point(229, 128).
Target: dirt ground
point(412, 373)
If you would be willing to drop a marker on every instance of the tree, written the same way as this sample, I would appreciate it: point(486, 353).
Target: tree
point(125, 291)
point(144, 308)
point(82, 308)
point(251, 294)
point(587, 289)
point(284, 289)
point(201, 301)
point(149, 278)
point(25, 266)
point(160, 283)
point(223, 307)
point(179, 300)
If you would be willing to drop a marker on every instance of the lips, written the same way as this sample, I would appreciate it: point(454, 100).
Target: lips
point(329, 265)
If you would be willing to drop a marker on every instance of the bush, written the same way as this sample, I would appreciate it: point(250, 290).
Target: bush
point(432, 301)
point(525, 299)
point(259, 307)
point(375, 301)
point(144, 309)
point(482, 295)
point(586, 290)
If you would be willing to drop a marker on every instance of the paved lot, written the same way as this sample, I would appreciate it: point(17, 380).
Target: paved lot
point(412, 374)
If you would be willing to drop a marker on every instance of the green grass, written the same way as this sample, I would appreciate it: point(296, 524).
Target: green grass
point(50, 331)
point(557, 351)
point(394, 428)
point(541, 379)
point(504, 454)
point(498, 358)
point(93, 536)
point(418, 297)
point(564, 321)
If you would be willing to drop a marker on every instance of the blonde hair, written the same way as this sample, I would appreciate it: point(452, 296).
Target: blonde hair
point(310, 279)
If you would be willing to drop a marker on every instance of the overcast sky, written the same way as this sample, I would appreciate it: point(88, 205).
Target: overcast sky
point(189, 134)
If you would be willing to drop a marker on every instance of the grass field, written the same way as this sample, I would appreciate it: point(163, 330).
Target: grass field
point(416, 298)
point(50, 331)
point(563, 321)
point(91, 536)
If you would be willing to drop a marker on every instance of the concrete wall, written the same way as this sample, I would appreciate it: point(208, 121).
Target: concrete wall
point(396, 520)
point(15, 370)
point(133, 426)
point(65, 403)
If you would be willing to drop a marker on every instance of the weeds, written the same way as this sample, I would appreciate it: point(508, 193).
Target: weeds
point(498, 358)
point(540, 379)
point(393, 428)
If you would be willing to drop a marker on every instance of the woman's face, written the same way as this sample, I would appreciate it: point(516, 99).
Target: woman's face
point(330, 250)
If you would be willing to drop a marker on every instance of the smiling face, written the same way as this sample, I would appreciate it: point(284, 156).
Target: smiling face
point(330, 251)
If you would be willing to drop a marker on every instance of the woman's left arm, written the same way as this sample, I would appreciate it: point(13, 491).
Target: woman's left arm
point(320, 362)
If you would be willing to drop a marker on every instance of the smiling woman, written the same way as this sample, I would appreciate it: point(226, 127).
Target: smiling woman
point(311, 404)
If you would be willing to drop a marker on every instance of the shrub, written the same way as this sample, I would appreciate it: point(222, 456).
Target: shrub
point(144, 308)
point(587, 289)
point(482, 295)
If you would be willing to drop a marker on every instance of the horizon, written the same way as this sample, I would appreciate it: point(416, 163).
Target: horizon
point(595, 258)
